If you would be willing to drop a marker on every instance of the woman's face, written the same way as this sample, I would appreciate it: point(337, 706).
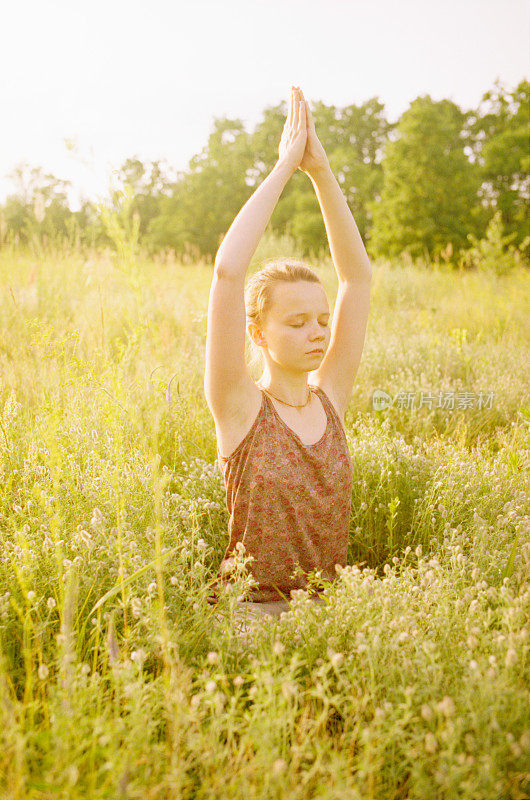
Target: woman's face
point(297, 322)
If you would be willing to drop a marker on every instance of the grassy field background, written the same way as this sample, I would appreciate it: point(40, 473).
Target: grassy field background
point(116, 681)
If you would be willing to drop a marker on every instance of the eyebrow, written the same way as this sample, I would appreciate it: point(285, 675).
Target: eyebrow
point(303, 314)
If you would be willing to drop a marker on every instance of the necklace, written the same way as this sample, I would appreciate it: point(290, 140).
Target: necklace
point(283, 401)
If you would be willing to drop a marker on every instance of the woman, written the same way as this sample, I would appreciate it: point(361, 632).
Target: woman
point(281, 443)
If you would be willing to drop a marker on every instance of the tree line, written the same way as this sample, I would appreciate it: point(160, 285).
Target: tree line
point(427, 185)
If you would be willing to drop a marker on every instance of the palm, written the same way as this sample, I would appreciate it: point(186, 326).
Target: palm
point(314, 156)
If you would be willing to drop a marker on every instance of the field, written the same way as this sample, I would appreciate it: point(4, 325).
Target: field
point(116, 681)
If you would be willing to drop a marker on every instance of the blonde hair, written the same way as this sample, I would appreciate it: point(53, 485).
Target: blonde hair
point(259, 289)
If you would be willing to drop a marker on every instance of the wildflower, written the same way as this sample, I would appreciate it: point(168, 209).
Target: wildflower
point(210, 687)
point(138, 657)
point(173, 580)
point(152, 587)
point(43, 671)
point(337, 659)
point(511, 657)
point(446, 706)
point(31, 596)
point(473, 664)
point(288, 689)
point(472, 642)
point(426, 712)
point(136, 607)
point(213, 657)
point(470, 741)
point(430, 742)
point(279, 766)
point(278, 648)
point(238, 680)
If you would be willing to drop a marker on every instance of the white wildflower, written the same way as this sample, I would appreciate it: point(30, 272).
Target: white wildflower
point(43, 672)
point(279, 766)
point(430, 742)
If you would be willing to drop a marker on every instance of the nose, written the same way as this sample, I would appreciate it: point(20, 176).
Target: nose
point(318, 335)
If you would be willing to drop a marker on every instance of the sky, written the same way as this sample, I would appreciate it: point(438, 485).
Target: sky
point(122, 78)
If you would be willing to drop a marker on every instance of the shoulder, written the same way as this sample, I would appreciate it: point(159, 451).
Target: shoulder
point(327, 388)
point(234, 420)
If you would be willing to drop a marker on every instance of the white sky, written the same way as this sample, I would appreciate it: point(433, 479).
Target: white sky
point(125, 78)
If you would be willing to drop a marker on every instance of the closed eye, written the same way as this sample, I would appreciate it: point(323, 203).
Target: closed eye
point(323, 324)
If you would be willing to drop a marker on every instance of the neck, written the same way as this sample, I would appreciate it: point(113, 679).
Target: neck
point(294, 394)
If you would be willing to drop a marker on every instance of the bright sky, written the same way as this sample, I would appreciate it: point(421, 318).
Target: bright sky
point(124, 78)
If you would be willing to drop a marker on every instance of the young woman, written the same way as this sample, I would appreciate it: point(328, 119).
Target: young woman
point(281, 443)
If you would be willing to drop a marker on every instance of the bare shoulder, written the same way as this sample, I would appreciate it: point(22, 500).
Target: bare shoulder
point(326, 387)
point(237, 415)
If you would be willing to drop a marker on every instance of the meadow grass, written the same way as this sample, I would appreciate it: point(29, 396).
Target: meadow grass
point(116, 680)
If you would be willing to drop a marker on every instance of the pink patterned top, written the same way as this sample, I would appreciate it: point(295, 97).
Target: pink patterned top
point(289, 503)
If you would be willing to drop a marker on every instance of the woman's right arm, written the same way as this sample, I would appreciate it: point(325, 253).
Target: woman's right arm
point(228, 385)
point(244, 235)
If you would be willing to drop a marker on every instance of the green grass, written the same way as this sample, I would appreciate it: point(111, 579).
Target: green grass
point(116, 679)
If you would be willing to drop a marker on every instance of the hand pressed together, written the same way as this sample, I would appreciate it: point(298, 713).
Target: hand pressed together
point(300, 146)
point(294, 134)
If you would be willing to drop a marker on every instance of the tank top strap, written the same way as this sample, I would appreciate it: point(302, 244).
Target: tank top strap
point(328, 406)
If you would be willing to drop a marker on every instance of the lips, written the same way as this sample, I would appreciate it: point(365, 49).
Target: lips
point(311, 352)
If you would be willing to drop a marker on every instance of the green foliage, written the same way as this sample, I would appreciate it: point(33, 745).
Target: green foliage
point(429, 185)
point(118, 679)
point(499, 134)
point(122, 226)
point(490, 253)
point(423, 186)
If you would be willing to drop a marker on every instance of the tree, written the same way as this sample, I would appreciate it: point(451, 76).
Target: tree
point(39, 207)
point(429, 196)
point(499, 134)
point(204, 202)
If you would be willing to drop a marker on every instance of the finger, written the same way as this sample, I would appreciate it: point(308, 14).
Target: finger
point(310, 120)
point(296, 112)
point(303, 123)
point(291, 107)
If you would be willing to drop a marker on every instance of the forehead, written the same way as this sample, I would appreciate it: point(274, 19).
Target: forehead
point(300, 297)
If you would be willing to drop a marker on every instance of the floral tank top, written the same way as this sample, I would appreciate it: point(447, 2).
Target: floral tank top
point(289, 503)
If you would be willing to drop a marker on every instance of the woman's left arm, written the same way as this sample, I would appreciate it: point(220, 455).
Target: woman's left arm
point(339, 366)
point(345, 243)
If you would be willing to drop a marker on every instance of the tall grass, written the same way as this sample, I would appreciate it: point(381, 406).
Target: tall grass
point(117, 680)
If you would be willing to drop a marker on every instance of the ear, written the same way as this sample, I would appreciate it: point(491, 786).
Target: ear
point(256, 334)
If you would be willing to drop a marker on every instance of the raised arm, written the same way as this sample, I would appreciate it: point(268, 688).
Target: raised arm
point(226, 375)
point(352, 264)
